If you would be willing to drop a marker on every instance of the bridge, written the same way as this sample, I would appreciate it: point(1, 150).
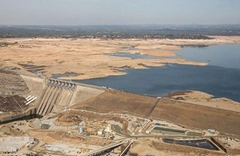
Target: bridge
point(123, 153)
point(103, 149)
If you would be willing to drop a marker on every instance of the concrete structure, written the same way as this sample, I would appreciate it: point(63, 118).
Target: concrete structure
point(103, 149)
point(47, 96)
point(108, 129)
point(13, 144)
point(106, 132)
point(80, 129)
point(56, 96)
point(212, 131)
point(100, 132)
point(124, 152)
point(30, 99)
point(37, 123)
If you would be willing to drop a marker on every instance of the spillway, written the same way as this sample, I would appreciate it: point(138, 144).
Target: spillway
point(56, 96)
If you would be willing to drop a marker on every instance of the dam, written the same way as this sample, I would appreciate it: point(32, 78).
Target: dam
point(50, 96)
point(66, 107)
point(58, 95)
point(55, 97)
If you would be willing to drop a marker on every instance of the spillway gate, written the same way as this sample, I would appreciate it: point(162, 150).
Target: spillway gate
point(56, 96)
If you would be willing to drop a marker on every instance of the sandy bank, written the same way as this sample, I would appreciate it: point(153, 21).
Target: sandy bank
point(87, 58)
point(204, 99)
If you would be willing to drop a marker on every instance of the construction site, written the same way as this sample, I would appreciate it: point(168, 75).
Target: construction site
point(46, 116)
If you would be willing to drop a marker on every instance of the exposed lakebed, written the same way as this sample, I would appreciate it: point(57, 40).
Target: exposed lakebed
point(132, 56)
point(220, 78)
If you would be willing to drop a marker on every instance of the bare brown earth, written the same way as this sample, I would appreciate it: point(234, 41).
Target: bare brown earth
point(197, 116)
point(68, 119)
point(11, 83)
point(7, 130)
point(87, 57)
point(12, 104)
point(178, 112)
point(65, 118)
point(62, 137)
point(118, 101)
point(231, 145)
point(204, 99)
point(12, 87)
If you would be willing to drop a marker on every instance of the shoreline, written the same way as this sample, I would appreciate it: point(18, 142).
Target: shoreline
point(87, 57)
point(204, 99)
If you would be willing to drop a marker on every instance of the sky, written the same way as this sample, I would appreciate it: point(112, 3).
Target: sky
point(118, 12)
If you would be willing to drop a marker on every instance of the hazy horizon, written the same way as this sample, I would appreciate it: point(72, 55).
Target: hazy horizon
point(165, 25)
point(123, 12)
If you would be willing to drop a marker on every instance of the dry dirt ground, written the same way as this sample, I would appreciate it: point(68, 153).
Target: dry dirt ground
point(69, 118)
point(118, 101)
point(11, 83)
point(197, 116)
point(86, 58)
point(178, 112)
point(12, 87)
point(12, 104)
point(204, 99)
point(63, 137)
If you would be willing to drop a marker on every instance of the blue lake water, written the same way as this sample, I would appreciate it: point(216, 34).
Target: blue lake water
point(220, 78)
point(132, 56)
point(227, 55)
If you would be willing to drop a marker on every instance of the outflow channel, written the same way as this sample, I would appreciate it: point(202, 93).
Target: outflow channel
point(200, 143)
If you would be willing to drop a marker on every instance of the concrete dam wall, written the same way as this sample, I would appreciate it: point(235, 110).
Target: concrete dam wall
point(56, 96)
point(52, 96)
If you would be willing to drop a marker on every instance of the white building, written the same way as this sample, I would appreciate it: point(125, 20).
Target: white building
point(13, 144)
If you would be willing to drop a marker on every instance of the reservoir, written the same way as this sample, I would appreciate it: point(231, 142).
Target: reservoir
point(226, 55)
point(220, 78)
